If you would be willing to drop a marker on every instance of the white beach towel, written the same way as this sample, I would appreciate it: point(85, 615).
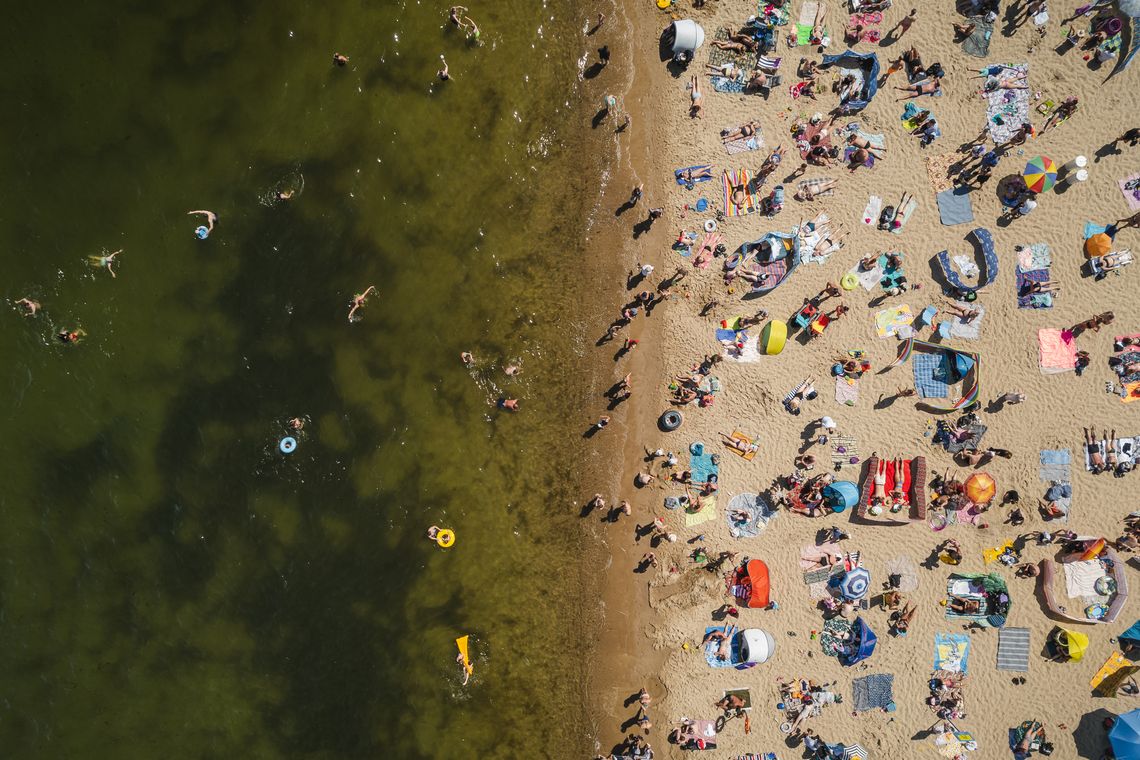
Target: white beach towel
point(750, 352)
point(968, 330)
point(869, 279)
point(871, 213)
point(1081, 577)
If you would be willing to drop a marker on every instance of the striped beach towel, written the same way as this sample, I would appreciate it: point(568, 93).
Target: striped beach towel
point(1013, 649)
point(1056, 464)
point(735, 179)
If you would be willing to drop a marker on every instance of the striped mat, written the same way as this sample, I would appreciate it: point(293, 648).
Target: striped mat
point(1013, 649)
point(740, 177)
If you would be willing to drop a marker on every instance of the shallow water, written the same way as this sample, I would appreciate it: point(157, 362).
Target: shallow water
point(170, 582)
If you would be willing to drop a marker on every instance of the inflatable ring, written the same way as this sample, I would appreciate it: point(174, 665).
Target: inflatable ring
point(670, 420)
point(848, 281)
point(710, 225)
point(445, 538)
point(288, 445)
point(202, 232)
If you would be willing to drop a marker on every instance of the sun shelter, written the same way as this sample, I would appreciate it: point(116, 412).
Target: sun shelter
point(750, 584)
point(773, 337)
point(684, 37)
point(1130, 8)
point(981, 488)
point(756, 647)
point(937, 367)
point(1130, 637)
point(841, 495)
point(860, 646)
point(1125, 736)
point(865, 68)
point(1066, 645)
point(989, 258)
point(1096, 587)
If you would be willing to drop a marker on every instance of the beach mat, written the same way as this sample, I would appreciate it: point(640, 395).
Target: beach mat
point(842, 459)
point(712, 646)
point(954, 207)
point(1057, 351)
point(1055, 464)
point(978, 43)
point(705, 511)
point(1025, 300)
point(846, 390)
point(1013, 649)
point(1130, 187)
point(732, 178)
point(951, 652)
point(904, 216)
point(959, 328)
point(888, 321)
point(930, 375)
point(744, 61)
point(759, 514)
point(686, 183)
point(1007, 110)
point(814, 183)
point(871, 212)
point(874, 692)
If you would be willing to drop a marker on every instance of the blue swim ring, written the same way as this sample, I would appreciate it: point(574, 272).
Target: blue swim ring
point(202, 232)
point(702, 204)
point(288, 445)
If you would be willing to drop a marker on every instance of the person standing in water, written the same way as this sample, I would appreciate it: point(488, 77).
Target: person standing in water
point(340, 60)
point(443, 73)
point(106, 261)
point(358, 301)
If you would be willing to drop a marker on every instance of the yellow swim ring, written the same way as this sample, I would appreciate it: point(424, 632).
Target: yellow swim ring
point(663, 4)
point(445, 538)
point(848, 281)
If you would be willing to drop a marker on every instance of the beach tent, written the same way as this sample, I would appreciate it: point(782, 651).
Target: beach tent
point(865, 67)
point(961, 366)
point(684, 37)
point(1054, 584)
point(752, 578)
point(1068, 644)
point(989, 258)
point(841, 495)
point(862, 644)
point(1125, 736)
point(1130, 8)
point(1131, 636)
point(773, 337)
point(756, 647)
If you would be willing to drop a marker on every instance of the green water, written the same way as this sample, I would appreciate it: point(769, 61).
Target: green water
point(172, 585)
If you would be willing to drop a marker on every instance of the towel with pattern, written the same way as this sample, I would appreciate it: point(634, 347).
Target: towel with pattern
point(889, 321)
point(1007, 110)
point(874, 692)
point(1130, 186)
point(930, 375)
point(951, 652)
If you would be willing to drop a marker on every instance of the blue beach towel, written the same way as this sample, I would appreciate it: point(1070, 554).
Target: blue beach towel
point(951, 652)
point(873, 692)
point(1092, 228)
point(686, 183)
point(725, 335)
point(724, 84)
point(712, 646)
point(930, 375)
point(701, 465)
point(954, 206)
point(1056, 464)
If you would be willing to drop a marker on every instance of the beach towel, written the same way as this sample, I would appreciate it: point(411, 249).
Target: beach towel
point(725, 334)
point(814, 184)
point(870, 278)
point(712, 646)
point(1112, 674)
point(971, 441)
point(847, 390)
point(732, 179)
point(747, 353)
point(806, 22)
point(930, 375)
point(903, 567)
point(677, 175)
point(744, 144)
point(871, 213)
point(1130, 186)
point(978, 43)
point(747, 456)
point(873, 692)
point(951, 652)
point(819, 576)
point(1092, 228)
point(725, 84)
point(1081, 577)
point(844, 448)
point(1056, 464)
point(959, 328)
point(1007, 110)
point(1057, 351)
point(1034, 256)
point(1013, 649)
point(888, 321)
point(742, 60)
point(903, 216)
point(831, 639)
point(1026, 300)
point(704, 511)
point(703, 462)
point(759, 514)
point(954, 206)
point(744, 694)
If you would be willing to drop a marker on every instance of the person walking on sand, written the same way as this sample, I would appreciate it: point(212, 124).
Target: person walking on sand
point(106, 261)
point(358, 301)
point(904, 25)
point(602, 422)
point(636, 193)
point(30, 307)
point(597, 25)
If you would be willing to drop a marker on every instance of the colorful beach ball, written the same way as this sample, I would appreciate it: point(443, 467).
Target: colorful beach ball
point(1040, 174)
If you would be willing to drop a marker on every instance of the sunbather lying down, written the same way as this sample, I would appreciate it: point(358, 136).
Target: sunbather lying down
point(1116, 260)
point(808, 193)
point(691, 175)
point(965, 605)
point(744, 130)
point(925, 87)
point(725, 641)
point(744, 447)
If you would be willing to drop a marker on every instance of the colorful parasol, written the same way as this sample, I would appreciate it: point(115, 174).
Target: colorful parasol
point(980, 488)
point(1040, 174)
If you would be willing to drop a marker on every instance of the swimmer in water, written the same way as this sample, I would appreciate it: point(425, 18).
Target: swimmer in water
point(455, 14)
point(466, 357)
point(340, 60)
point(30, 306)
point(442, 73)
point(297, 424)
point(358, 301)
point(467, 668)
point(510, 404)
point(71, 336)
point(104, 262)
point(211, 217)
point(284, 195)
point(432, 532)
point(472, 28)
point(512, 370)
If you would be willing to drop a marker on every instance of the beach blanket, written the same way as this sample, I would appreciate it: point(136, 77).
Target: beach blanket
point(1007, 110)
point(806, 22)
point(951, 652)
point(930, 375)
point(831, 638)
point(873, 692)
point(1057, 351)
point(978, 43)
point(746, 353)
point(1013, 649)
point(871, 213)
point(938, 171)
point(1130, 186)
point(750, 442)
point(960, 328)
point(906, 571)
point(683, 182)
point(814, 185)
point(712, 646)
point(1081, 577)
point(971, 441)
point(903, 215)
point(744, 144)
point(1027, 300)
point(702, 465)
point(732, 179)
point(954, 206)
point(742, 60)
point(1056, 464)
point(703, 511)
point(870, 278)
point(888, 321)
point(847, 390)
point(844, 448)
point(725, 84)
point(1034, 256)
point(759, 514)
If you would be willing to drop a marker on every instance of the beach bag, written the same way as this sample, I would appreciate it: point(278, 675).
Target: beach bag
point(886, 217)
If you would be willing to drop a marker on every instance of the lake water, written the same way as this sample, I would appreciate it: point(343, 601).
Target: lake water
point(170, 583)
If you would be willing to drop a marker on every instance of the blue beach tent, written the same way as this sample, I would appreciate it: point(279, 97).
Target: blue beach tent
point(865, 65)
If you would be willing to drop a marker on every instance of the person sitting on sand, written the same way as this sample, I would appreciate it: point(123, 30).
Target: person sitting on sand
point(964, 605)
point(643, 479)
point(744, 130)
point(903, 617)
point(809, 193)
point(925, 87)
point(953, 551)
point(724, 649)
point(729, 703)
point(1027, 570)
point(685, 395)
point(913, 62)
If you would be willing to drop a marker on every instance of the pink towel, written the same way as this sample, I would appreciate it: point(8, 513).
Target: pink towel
point(1058, 350)
point(1131, 196)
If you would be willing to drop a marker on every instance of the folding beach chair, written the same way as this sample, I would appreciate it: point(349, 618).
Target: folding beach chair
point(768, 64)
point(770, 81)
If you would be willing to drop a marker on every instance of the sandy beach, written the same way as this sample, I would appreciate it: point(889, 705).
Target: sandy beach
point(654, 620)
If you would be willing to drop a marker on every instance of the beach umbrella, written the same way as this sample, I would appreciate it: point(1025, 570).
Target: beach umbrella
point(1097, 245)
point(980, 488)
point(1125, 736)
point(855, 751)
point(1040, 174)
point(855, 584)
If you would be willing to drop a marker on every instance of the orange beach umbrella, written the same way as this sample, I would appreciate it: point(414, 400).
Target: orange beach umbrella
point(980, 488)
